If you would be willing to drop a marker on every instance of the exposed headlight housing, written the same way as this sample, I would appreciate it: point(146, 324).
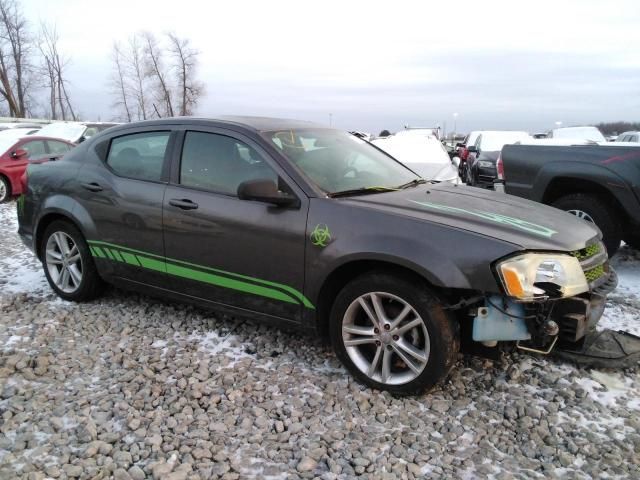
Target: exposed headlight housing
point(534, 276)
point(485, 164)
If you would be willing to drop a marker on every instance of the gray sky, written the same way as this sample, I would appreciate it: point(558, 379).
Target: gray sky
point(377, 65)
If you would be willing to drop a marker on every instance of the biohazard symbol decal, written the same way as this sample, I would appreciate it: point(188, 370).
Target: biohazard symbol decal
point(321, 236)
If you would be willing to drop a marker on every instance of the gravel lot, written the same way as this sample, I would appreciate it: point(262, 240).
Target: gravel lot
point(130, 387)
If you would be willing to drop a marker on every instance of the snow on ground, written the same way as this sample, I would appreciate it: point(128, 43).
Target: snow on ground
point(172, 387)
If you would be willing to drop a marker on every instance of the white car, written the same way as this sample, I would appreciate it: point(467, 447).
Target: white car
point(578, 133)
point(424, 154)
point(628, 137)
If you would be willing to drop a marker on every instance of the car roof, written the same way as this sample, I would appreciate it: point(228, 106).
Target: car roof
point(257, 124)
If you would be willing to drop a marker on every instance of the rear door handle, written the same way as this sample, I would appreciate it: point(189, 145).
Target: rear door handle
point(184, 203)
point(92, 187)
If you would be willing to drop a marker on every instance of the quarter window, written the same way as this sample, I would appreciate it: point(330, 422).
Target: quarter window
point(220, 164)
point(139, 155)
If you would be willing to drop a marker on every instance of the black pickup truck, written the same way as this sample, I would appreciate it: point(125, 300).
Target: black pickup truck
point(598, 183)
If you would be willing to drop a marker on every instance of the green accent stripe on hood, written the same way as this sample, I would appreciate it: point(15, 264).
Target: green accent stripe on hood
point(200, 273)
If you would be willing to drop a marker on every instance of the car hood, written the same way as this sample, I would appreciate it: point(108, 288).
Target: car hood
point(527, 224)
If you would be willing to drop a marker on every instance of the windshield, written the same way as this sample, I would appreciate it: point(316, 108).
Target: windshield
point(337, 161)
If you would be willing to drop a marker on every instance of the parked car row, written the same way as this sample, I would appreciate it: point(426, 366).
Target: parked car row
point(23, 143)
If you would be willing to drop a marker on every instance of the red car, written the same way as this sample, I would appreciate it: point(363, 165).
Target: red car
point(18, 151)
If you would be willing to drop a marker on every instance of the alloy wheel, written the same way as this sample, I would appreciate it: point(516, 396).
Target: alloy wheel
point(64, 262)
point(3, 191)
point(582, 215)
point(386, 338)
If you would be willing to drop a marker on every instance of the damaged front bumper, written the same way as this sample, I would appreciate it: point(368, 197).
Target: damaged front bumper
point(565, 327)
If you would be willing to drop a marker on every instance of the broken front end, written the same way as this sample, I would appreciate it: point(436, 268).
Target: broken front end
point(552, 304)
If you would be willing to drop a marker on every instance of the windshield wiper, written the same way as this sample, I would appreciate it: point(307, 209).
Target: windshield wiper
point(361, 191)
point(413, 183)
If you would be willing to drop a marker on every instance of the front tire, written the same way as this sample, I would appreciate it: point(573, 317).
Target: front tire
point(68, 264)
point(393, 334)
point(595, 210)
point(5, 189)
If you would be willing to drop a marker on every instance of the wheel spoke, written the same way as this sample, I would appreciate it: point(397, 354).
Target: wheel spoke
point(378, 307)
point(61, 241)
point(54, 258)
point(358, 341)
point(386, 365)
point(358, 330)
point(376, 360)
point(63, 279)
point(75, 274)
point(408, 362)
point(369, 313)
point(408, 326)
point(401, 316)
point(416, 353)
point(73, 259)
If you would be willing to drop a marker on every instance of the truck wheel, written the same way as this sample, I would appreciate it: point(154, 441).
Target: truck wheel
point(5, 189)
point(68, 264)
point(392, 334)
point(595, 210)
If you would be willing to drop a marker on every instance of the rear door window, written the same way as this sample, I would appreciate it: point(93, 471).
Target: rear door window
point(35, 149)
point(139, 155)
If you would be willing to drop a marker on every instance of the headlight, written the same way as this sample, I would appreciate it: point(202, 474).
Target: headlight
point(485, 164)
point(534, 275)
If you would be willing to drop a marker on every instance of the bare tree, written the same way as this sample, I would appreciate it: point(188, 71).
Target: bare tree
point(139, 75)
point(54, 66)
point(15, 50)
point(119, 83)
point(185, 62)
point(156, 71)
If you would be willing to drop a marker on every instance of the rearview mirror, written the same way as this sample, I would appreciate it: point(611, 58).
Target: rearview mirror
point(18, 153)
point(265, 190)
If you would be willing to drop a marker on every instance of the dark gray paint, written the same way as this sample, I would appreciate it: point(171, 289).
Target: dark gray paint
point(452, 249)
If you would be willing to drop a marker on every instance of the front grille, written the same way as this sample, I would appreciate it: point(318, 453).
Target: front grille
point(594, 262)
point(588, 252)
point(595, 273)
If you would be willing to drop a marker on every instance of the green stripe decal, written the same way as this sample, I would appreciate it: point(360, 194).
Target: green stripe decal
point(199, 273)
point(116, 255)
point(129, 258)
point(108, 254)
point(225, 282)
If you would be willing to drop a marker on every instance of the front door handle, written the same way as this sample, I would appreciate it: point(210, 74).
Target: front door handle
point(183, 203)
point(92, 187)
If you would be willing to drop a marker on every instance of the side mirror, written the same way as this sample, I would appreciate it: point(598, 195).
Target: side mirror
point(265, 190)
point(472, 149)
point(19, 153)
point(456, 161)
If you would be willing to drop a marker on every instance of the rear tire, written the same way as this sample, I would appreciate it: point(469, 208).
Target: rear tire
point(5, 189)
point(68, 264)
point(426, 336)
point(598, 211)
